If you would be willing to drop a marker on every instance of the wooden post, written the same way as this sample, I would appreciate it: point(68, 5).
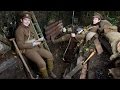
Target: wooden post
point(98, 46)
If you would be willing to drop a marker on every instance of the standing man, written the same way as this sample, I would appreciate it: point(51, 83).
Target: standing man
point(31, 47)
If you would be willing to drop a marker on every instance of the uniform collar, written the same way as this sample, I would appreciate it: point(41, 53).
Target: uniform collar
point(25, 26)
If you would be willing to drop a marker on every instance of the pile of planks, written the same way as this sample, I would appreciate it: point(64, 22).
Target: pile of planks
point(53, 29)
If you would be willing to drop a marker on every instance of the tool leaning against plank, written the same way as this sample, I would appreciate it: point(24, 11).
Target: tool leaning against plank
point(23, 60)
point(79, 66)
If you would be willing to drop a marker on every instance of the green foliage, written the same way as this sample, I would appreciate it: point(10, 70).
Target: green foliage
point(113, 20)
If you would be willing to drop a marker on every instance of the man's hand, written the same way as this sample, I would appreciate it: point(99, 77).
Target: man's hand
point(40, 39)
point(73, 35)
point(114, 56)
point(36, 43)
point(64, 30)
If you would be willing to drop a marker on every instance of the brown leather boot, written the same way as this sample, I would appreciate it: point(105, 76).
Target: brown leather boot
point(50, 68)
point(44, 73)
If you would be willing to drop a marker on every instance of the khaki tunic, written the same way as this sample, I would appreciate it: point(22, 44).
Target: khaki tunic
point(104, 24)
point(100, 27)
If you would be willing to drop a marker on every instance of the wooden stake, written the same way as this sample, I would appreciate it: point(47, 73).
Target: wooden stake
point(98, 46)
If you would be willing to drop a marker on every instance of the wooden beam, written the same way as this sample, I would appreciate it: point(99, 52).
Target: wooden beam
point(83, 72)
point(98, 46)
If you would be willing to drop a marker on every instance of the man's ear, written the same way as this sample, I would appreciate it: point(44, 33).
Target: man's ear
point(21, 20)
point(99, 20)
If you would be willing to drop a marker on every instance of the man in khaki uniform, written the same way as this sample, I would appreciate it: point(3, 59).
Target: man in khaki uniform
point(31, 47)
point(97, 24)
point(76, 36)
point(98, 20)
point(110, 32)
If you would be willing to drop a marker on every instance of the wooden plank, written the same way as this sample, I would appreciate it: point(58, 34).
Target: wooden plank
point(98, 46)
point(53, 29)
point(83, 72)
point(52, 25)
point(79, 60)
point(53, 36)
point(71, 73)
point(57, 31)
point(74, 70)
point(54, 33)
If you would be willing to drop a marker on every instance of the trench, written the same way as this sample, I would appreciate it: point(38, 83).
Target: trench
point(98, 67)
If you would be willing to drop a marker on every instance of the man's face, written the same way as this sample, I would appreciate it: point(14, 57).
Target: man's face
point(95, 20)
point(26, 21)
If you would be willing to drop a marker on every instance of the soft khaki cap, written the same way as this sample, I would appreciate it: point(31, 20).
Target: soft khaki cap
point(97, 15)
point(26, 14)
